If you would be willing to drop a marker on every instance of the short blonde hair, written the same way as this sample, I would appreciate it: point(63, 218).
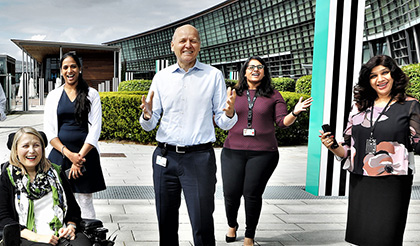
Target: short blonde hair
point(44, 163)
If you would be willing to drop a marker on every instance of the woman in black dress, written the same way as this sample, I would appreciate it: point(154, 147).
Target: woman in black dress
point(380, 140)
point(72, 122)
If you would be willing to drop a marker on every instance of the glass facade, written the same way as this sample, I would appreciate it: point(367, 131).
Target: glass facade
point(280, 31)
point(392, 27)
point(8, 80)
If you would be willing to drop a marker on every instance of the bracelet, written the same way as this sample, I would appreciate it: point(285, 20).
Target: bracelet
point(295, 115)
point(62, 149)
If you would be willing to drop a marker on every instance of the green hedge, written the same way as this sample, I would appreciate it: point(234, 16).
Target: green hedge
point(121, 112)
point(230, 83)
point(120, 117)
point(283, 84)
point(135, 85)
point(413, 72)
point(303, 84)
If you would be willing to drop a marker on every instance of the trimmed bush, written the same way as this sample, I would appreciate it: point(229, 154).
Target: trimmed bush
point(283, 84)
point(303, 84)
point(413, 72)
point(297, 133)
point(121, 112)
point(135, 85)
point(230, 83)
point(120, 117)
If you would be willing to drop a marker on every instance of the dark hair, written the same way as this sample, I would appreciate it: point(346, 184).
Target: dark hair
point(82, 107)
point(264, 89)
point(365, 95)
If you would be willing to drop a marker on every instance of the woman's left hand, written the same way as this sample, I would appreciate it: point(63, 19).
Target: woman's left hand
point(302, 106)
point(69, 232)
point(75, 171)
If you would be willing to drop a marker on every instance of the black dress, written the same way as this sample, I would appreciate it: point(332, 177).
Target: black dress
point(73, 136)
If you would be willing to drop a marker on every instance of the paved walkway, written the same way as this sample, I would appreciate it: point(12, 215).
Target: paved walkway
point(283, 221)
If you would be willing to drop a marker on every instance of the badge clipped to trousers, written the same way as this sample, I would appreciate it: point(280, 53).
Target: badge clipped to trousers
point(161, 159)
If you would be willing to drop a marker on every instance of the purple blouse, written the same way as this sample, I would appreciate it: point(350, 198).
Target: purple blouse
point(267, 111)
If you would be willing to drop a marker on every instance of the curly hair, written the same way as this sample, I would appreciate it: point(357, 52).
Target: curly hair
point(82, 103)
point(365, 95)
point(264, 89)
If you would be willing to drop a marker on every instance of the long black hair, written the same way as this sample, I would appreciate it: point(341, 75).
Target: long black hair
point(82, 103)
point(365, 95)
point(264, 88)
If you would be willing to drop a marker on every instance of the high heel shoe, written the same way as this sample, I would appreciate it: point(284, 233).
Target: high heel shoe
point(232, 239)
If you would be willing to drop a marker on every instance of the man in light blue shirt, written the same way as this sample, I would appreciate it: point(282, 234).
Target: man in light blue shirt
point(188, 98)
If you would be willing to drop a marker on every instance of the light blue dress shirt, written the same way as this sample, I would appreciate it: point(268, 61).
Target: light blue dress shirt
point(186, 103)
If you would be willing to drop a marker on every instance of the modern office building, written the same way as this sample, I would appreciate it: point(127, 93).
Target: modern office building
point(8, 79)
point(280, 31)
point(393, 28)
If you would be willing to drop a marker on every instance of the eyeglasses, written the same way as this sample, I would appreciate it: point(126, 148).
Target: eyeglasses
point(252, 67)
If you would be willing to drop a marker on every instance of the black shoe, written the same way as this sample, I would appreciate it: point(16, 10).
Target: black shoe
point(232, 239)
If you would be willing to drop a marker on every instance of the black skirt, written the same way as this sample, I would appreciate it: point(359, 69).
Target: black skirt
point(377, 210)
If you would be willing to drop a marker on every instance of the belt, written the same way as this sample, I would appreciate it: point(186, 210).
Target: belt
point(185, 149)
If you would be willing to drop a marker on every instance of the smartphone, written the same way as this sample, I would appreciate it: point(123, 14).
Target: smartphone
point(327, 128)
point(83, 169)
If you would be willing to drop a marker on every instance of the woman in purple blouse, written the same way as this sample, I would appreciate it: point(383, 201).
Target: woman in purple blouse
point(380, 140)
point(250, 152)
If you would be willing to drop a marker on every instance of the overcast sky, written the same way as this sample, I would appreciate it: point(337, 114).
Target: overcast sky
point(87, 21)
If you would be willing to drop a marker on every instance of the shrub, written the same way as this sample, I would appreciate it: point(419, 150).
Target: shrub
point(413, 72)
point(296, 134)
point(303, 84)
point(230, 82)
point(121, 112)
point(120, 117)
point(135, 85)
point(283, 84)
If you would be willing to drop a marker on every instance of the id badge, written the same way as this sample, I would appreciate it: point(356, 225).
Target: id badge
point(249, 132)
point(370, 146)
point(161, 161)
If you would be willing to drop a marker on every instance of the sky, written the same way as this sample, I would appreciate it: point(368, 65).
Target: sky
point(87, 21)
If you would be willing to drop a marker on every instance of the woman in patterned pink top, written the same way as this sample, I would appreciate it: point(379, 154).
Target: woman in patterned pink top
point(380, 140)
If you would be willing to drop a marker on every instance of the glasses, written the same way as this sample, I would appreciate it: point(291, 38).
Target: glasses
point(252, 67)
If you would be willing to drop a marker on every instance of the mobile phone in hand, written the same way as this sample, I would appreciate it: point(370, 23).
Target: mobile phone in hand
point(327, 128)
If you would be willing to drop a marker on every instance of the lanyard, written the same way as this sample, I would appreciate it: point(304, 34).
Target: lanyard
point(372, 126)
point(250, 107)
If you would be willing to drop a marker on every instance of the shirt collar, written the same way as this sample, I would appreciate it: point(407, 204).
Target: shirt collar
point(197, 66)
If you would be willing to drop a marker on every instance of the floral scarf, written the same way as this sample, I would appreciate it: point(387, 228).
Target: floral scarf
point(43, 184)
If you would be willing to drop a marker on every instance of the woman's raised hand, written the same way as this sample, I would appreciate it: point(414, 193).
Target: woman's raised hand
point(302, 106)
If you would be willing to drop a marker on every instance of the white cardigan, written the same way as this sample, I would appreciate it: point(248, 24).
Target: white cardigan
point(51, 121)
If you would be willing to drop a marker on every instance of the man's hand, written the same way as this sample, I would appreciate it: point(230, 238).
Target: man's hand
point(146, 107)
point(230, 103)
